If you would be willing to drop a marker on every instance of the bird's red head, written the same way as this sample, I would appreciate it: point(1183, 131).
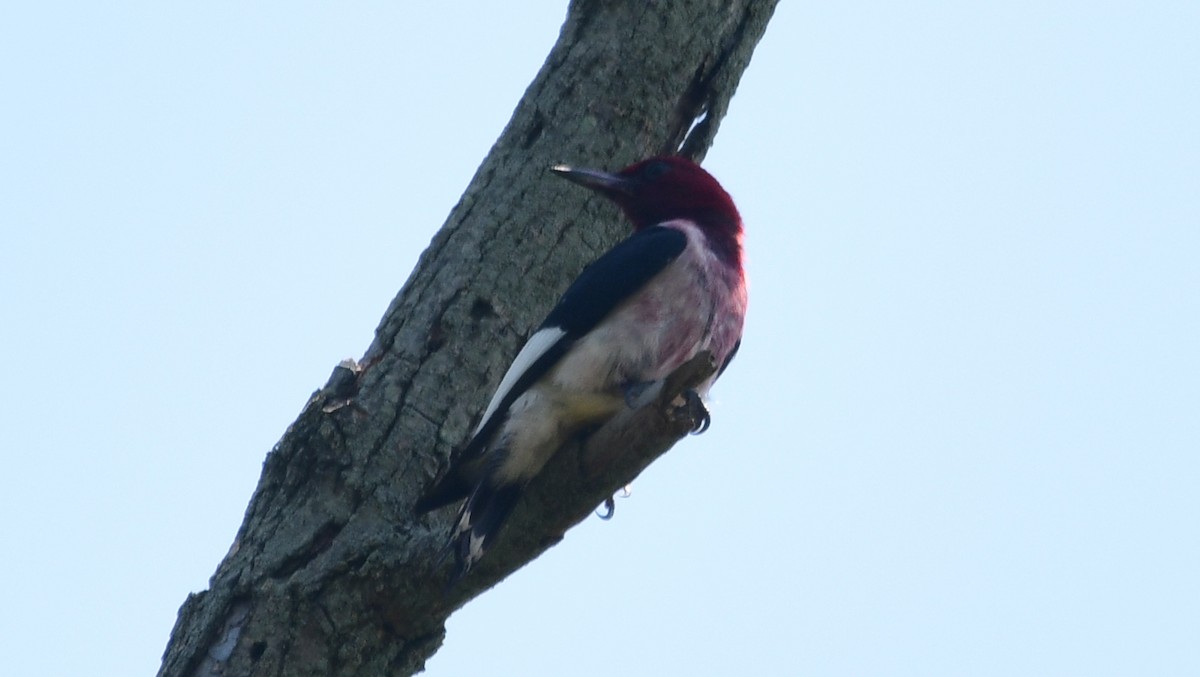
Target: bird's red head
point(666, 188)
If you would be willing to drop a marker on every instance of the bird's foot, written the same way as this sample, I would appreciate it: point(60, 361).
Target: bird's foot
point(692, 409)
point(610, 503)
point(610, 508)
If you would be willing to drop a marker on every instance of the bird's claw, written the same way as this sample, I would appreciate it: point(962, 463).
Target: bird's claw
point(693, 407)
point(610, 503)
point(610, 507)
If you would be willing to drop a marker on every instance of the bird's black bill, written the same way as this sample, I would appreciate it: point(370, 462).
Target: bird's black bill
point(594, 179)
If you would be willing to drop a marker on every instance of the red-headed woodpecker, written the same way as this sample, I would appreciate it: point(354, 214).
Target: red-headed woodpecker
point(672, 289)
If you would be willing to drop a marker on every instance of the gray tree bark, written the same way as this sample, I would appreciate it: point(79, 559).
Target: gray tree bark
point(331, 573)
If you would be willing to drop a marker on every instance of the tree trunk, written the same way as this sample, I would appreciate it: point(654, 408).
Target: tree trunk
point(331, 572)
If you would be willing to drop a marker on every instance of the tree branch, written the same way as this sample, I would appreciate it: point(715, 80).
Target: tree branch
point(331, 573)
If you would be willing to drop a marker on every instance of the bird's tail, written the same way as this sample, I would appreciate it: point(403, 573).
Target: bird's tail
point(480, 520)
point(454, 486)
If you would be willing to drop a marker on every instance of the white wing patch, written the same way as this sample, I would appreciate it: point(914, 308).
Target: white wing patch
point(535, 347)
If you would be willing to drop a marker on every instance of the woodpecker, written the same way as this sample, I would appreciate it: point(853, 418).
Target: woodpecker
point(673, 288)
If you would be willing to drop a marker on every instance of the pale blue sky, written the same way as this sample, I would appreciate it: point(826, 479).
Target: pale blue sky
point(961, 437)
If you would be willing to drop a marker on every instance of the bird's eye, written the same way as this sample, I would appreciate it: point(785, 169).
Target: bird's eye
point(655, 169)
